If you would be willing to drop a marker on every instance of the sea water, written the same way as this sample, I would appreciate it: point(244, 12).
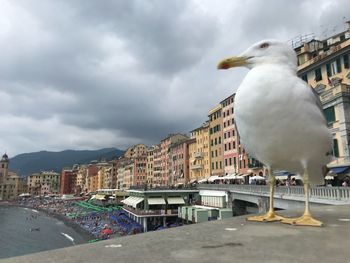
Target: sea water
point(25, 230)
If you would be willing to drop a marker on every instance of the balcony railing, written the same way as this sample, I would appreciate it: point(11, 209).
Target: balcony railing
point(168, 212)
point(198, 155)
point(196, 167)
point(321, 192)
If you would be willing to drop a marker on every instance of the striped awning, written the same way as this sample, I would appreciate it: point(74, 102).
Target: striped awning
point(175, 200)
point(156, 201)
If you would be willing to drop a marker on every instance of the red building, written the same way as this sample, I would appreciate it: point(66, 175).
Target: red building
point(68, 181)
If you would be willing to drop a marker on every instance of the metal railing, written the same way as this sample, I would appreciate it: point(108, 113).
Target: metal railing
point(162, 212)
point(321, 192)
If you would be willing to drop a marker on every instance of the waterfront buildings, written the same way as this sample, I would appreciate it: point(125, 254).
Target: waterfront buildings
point(10, 182)
point(43, 183)
point(179, 162)
point(68, 181)
point(150, 164)
point(325, 66)
point(165, 172)
point(199, 153)
point(215, 138)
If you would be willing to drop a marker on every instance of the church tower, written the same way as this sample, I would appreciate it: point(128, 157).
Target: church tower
point(4, 166)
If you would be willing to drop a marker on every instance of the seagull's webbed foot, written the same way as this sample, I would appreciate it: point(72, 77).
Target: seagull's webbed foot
point(304, 220)
point(269, 217)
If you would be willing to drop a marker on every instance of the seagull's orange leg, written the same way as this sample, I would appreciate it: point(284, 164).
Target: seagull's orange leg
point(306, 219)
point(270, 216)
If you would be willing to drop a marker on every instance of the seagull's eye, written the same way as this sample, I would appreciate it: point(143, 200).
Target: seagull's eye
point(264, 45)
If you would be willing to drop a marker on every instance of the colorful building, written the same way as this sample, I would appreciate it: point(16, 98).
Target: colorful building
point(200, 167)
point(325, 66)
point(215, 138)
point(179, 162)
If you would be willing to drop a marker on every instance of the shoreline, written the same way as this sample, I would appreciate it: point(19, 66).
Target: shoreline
point(81, 231)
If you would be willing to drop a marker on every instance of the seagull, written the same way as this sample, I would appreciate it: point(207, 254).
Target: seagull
point(280, 120)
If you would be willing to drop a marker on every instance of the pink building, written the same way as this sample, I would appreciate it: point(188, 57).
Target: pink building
point(236, 159)
point(179, 162)
point(140, 177)
point(164, 179)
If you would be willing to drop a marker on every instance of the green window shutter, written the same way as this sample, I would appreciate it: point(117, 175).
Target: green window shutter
point(335, 148)
point(330, 114)
point(346, 61)
point(329, 71)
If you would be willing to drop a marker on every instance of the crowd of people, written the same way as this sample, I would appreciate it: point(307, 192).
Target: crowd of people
point(99, 223)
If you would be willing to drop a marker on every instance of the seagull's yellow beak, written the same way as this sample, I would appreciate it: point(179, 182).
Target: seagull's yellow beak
point(233, 62)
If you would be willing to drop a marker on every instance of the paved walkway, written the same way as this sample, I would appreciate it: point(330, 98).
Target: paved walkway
point(229, 240)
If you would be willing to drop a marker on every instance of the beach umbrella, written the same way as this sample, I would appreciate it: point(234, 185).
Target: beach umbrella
point(107, 231)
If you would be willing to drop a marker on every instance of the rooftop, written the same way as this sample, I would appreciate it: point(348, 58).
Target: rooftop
point(229, 240)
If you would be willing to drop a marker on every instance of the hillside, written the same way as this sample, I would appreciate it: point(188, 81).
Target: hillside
point(28, 163)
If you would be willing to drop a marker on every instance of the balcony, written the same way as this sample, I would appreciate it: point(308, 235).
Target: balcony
point(198, 155)
point(168, 212)
point(196, 167)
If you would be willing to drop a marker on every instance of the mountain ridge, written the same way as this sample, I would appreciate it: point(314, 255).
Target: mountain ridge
point(25, 164)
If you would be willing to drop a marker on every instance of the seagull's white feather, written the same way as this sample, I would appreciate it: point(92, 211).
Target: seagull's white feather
point(277, 115)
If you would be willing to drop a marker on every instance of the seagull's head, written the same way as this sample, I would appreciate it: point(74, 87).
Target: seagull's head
point(268, 51)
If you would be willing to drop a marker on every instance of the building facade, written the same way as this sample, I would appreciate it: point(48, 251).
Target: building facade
point(325, 66)
point(215, 137)
point(10, 183)
point(199, 154)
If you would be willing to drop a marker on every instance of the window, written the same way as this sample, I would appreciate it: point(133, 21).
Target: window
point(346, 61)
point(228, 112)
point(234, 161)
point(228, 134)
point(232, 110)
point(224, 124)
point(216, 165)
point(224, 114)
point(225, 162)
point(233, 145)
point(224, 135)
point(220, 164)
point(328, 69)
point(330, 114)
point(212, 166)
point(212, 143)
point(228, 123)
point(229, 146)
point(216, 153)
point(318, 74)
point(233, 133)
point(219, 140)
point(336, 66)
point(304, 77)
point(212, 154)
point(230, 161)
point(335, 148)
point(225, 147)
point(216, 141)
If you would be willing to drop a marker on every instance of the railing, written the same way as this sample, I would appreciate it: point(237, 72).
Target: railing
point(198, 155)
point(168, 212)
point(322, 192)
point(196, 167)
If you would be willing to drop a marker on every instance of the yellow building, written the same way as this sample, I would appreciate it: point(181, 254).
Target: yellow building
point(325, 65)
point(11, 185)
point(215, 139)
point(199, 153)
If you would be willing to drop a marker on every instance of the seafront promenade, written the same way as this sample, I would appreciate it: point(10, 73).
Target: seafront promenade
point(229, 240)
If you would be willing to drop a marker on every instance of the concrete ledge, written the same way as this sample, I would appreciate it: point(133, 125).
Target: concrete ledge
point(229, 240)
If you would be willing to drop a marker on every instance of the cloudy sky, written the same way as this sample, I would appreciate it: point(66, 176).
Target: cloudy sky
point(80, 74)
